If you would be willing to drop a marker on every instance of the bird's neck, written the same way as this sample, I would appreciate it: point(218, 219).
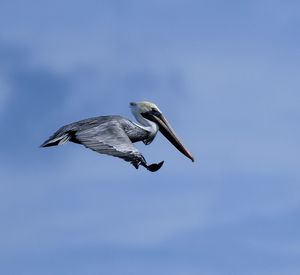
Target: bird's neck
point(146, 124)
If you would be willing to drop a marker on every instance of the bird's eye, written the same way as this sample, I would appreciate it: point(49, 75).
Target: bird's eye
point(155, 112)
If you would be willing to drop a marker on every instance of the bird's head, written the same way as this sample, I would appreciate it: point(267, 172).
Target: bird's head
point(143, 107)
point(150, 112)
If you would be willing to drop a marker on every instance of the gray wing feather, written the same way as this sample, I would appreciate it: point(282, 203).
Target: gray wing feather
point(109, 138)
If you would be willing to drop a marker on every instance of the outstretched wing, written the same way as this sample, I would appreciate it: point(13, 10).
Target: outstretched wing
point(109, 138)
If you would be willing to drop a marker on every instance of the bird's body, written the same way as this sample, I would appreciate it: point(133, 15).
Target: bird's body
point(113, 135)
point(106, 124)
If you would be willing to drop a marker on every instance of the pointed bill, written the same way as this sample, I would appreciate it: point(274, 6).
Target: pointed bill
point(166, 129)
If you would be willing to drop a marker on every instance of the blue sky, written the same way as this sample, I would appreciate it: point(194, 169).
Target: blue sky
point(226, 74)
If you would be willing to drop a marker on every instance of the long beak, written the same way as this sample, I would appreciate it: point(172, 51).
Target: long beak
point(166, 129)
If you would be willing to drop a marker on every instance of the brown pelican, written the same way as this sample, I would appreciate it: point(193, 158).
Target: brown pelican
point(115, 135)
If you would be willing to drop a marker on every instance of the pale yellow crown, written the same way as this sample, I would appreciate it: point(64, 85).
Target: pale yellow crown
point(146, 106)
point(143, 106)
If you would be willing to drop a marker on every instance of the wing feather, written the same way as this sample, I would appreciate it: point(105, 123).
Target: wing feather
point(109, 138)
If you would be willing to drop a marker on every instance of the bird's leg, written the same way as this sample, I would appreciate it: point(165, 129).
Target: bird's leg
point(152, 167)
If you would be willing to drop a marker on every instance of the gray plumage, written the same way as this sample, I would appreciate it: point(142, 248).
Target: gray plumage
point(110, 135)
point(115, 135)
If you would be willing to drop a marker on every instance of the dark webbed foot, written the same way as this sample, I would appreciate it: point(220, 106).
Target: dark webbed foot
point(154, 166)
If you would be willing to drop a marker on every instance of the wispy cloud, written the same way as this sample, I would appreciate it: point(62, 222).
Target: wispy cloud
point(226, 77)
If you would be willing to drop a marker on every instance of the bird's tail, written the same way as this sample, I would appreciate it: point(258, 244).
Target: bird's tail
point(59, 138)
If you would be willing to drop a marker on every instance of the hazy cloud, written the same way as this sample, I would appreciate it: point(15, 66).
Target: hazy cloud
point(226, 76)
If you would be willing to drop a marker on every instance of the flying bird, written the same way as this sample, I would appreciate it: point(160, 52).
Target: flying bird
point(115, 135)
